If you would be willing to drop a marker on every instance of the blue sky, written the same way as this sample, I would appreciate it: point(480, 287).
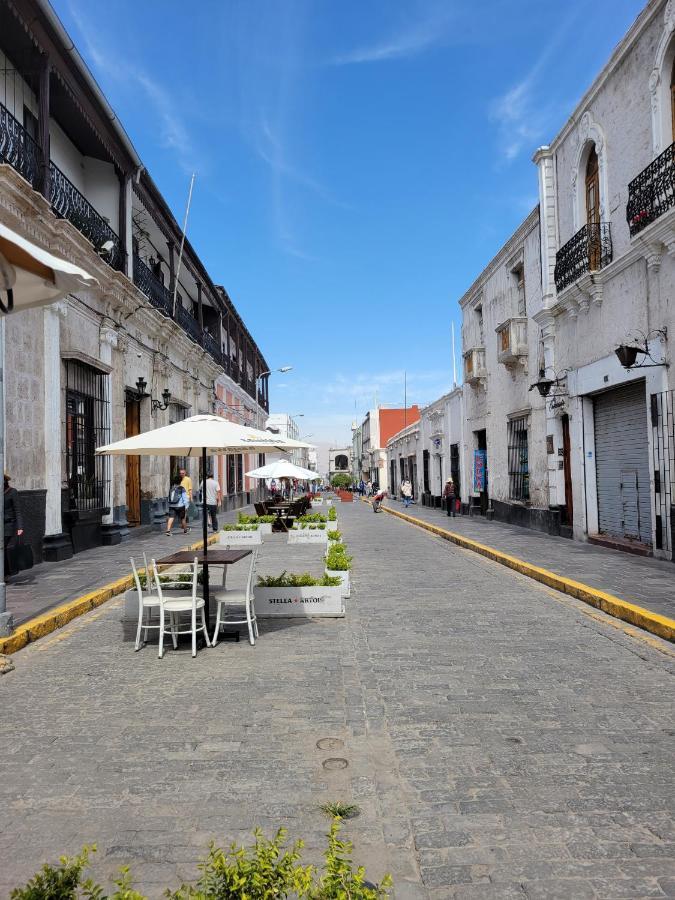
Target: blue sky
point(358, 163)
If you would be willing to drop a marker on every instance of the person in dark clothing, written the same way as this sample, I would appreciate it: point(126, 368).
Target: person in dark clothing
point(450, 496)
point(13, 517)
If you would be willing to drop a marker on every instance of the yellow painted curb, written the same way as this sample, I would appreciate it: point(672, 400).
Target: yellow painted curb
point(643, 618)
point(36, 628)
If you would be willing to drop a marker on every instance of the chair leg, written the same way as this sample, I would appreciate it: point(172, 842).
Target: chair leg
point(174, 636)
point(216, 630)
point(206, 634)
point(145, 630)
point(139, 643)
point(194, 632)
point(255, 625)
point(161, 632)
point(249, 621)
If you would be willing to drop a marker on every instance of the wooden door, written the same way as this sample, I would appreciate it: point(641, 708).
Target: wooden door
point(567, 471)
point(593, 210)
point(133, 465)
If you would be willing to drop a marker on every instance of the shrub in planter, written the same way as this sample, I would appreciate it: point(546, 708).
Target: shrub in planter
point(337, 559)
point(332, 514)
point(311, 526)
point(240, 527)
point(263, 871)
point(312, 517)
point(334, 535)
point(290, 579)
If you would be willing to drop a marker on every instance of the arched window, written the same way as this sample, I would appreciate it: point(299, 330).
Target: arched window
point(592, 188)
point(672, 100)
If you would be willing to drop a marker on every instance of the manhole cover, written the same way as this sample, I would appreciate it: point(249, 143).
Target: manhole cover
point(334, 762)
point(330, 744)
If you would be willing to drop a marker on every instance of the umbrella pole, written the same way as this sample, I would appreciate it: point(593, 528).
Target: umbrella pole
point(205, 538)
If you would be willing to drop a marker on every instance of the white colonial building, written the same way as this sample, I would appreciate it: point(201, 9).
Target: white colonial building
point(608, 279)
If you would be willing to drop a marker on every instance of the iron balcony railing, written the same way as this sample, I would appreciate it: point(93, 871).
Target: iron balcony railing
point(188, 323)
point(212, 345)
point(147, 282)
point(68, 203)
point(17, 148)
point(652, 193)
point(589, 250)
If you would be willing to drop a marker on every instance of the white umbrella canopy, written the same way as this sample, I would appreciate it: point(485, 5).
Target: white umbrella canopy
point(199, 435)
point(283, 468)
point(34, 276)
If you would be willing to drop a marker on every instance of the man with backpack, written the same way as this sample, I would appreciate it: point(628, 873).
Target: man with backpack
point(178, 504)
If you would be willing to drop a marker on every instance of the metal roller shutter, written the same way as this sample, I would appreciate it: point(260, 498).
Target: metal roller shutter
point(622, 463)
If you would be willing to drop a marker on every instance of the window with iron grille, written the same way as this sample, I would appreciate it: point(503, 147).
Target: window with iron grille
point(231, 484)
point(519, 473)
point(240, 472)
point(177, 413)
point(87, 427)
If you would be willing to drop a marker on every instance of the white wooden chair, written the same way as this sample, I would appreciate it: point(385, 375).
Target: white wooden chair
point(236, 607)
point(175, 603)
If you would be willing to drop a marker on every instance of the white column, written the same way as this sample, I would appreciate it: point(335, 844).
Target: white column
point(107, 342)
point(548, 223)
point(52, 416)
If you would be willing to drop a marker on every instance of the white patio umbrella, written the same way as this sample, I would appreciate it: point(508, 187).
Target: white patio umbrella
point(29, 277)
point(283, 468)
point(201, 436)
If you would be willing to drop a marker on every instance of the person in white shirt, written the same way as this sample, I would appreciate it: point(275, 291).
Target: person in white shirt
point(213, 498)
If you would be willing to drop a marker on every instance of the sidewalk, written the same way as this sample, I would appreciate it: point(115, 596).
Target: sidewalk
point(647, 582)
point(49, 584)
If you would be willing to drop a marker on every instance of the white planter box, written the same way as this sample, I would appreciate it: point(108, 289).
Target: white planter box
point(329, 501)
point(299, 602)
point(240, 538)
point(346, 585)
point(307, 536)
point(316, 504)
point(265, 527)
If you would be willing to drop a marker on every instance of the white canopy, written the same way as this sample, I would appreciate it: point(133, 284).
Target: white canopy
point(35, 276)
point(282, 468)
point(192, 436)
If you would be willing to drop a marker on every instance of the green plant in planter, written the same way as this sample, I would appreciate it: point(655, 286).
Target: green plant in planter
point(244, 519)
point(240, 527)
point(332, 514)
point(313, 517)
point(338, 562)
point(289, 579)
point(334, 535)
point(65, 882)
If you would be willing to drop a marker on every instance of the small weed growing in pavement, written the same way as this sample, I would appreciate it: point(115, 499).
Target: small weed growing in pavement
point(339, 810)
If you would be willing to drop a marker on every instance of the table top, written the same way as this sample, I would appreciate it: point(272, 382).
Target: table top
point(280, 506)
point(218, 556)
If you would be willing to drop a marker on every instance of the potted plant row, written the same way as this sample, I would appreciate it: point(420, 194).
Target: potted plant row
point(265, 522)
point(291, 595)
point(240, 535)
point(338, 565)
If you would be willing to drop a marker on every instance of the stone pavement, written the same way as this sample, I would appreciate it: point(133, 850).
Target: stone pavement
point(51, 583)
point(647, 582)
point(500, 741)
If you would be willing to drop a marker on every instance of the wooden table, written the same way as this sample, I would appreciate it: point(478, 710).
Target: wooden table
point(279, 509)
point(217, 556)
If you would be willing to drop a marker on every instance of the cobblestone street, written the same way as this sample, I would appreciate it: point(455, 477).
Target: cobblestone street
point(499, 740)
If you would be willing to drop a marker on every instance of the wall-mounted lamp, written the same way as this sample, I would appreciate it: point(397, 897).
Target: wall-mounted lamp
point(627, 354)
point(557, 384)
point(141, 393)
point(166, 397)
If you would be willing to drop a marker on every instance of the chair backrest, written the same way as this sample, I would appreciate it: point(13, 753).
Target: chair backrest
point(260, 509)
point(137, 578)
point(251, 573)
point(149, 580)
point(158, 583)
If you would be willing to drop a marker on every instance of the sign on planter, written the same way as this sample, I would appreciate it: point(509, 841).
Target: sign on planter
point(237, 538)
point(298, 602)
point(307, 536)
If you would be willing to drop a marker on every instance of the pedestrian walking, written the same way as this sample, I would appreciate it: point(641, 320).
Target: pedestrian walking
point(178, 504)
point(369, 488)
point(13, 517)
point(186, 482)
point(450, 498)
point(362, 487)
point(212, 496)
point(406, 492)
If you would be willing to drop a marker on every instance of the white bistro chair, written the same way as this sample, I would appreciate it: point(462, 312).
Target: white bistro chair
point(175, 603)
point(236, 607)
point(147, 601)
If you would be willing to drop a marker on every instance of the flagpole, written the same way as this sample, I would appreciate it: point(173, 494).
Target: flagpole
point(182, 243)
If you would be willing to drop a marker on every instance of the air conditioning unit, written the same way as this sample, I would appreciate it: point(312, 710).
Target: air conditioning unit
point(474, 365)
point(512, 340)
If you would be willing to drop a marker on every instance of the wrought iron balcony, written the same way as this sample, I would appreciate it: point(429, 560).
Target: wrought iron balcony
point(68, 203)
point(17, 148)
point(589, 250)
point(188, 323)
point(146, 281)
point(212, 346)
point(652, 193)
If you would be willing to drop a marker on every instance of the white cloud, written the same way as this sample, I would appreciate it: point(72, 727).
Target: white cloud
point(408, 41)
